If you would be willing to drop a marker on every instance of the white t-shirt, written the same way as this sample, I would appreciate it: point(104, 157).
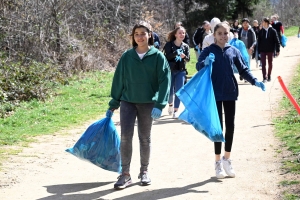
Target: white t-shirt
point(141, 55)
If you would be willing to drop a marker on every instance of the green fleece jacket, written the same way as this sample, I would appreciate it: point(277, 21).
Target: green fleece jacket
point(145, 80)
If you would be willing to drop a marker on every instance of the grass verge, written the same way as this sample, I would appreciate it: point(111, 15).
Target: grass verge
point(291, 31)
point(287, 127)
point(83, 99)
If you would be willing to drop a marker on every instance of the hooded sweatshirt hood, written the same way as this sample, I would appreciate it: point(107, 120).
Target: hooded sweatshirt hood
point(214, 21)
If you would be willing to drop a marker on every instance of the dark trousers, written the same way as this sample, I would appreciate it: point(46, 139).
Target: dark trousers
point(128, 113)
point(229, 114)
point(263, 56)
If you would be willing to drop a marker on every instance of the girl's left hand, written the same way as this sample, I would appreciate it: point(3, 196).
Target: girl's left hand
point(182, 55)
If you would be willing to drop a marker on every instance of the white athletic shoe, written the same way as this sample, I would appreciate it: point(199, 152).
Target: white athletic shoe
point(220, 173)
point(170, 110)
point(175, 115)
point(228, 167)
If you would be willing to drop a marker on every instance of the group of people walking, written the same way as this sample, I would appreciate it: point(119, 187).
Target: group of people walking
point(146, 80)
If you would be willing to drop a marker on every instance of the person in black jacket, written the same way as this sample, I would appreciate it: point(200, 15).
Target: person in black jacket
point(199, 35)
point(277, 25)
point(177, 53)
point(267, 42)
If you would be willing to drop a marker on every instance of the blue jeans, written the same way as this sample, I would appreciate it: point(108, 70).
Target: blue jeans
point(177, 81)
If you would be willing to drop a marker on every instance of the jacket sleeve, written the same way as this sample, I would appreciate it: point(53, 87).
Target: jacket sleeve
point(196, 37)
point(253, 38)
point(117, 85)
point(187, 53)
point(258, 41)
point(243, 69)
point(170, 54)
point(187, 39)
point(164, 81)
point(276, 40)
point(201, 59)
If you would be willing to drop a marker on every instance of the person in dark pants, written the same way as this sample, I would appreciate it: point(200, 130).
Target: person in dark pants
point(225, 89)
point(267, 41)
point(140, 88)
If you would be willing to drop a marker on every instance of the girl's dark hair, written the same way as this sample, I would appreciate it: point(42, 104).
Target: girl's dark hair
point(266, 19)
point(171, 35)
point(147, 26)
point(222, 24)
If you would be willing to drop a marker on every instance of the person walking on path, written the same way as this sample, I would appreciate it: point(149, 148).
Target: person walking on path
point(226, 90)
point(177, 53)
point(256, 29)
point(247, 35)
point(199, 36)
point(277, 25)
point(210, 39)
point(156, 40)
point(235, 26)
point(140, 88)
point(267, 41)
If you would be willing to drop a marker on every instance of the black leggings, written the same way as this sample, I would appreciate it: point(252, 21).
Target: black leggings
point(229, 113)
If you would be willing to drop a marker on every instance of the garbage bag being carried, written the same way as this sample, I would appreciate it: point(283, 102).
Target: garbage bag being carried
point(283, 40)
point(200, 105)
point(242, 48)
point(100, 145)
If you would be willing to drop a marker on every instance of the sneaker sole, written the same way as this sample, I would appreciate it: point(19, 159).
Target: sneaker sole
point(120, 187)
point(145, 183)
point(220, 176)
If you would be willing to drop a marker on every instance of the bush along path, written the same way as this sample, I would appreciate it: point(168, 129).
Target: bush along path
point(182, 160)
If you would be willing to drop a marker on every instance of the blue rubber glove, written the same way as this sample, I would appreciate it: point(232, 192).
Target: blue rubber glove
point(209, 58)
point(179, 52)
point(156, 44)
point(156, 113)
point(198, 49)
point(109, 113)
point(177, 58)
point(261, 85)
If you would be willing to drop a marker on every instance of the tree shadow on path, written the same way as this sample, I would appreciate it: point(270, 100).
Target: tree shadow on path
point(60, 191)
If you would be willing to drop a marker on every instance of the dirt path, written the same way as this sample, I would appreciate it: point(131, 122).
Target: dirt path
point(182, 162)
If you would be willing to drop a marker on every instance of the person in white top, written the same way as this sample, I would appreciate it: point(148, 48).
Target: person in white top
point(210, 39)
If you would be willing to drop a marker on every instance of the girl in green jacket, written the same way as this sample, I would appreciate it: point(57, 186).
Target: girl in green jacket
point(141, 89)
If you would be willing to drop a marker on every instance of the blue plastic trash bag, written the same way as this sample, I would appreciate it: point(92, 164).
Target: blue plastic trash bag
point(100, 145)
point(200, 105)
point(283, 40)
point(242, 48)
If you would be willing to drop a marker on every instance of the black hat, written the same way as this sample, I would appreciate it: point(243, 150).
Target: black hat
point(245, 20)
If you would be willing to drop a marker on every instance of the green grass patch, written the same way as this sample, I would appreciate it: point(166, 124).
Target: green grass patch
point(191, 65)
point(291, 31)
point(289, 196)
point(286, 183)
point(287, 127)
point(82, 99)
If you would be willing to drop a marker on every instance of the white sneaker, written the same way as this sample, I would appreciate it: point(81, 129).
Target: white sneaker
point(220, 173)
point(175, 115)
point(228, 167)
point(170, 110)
